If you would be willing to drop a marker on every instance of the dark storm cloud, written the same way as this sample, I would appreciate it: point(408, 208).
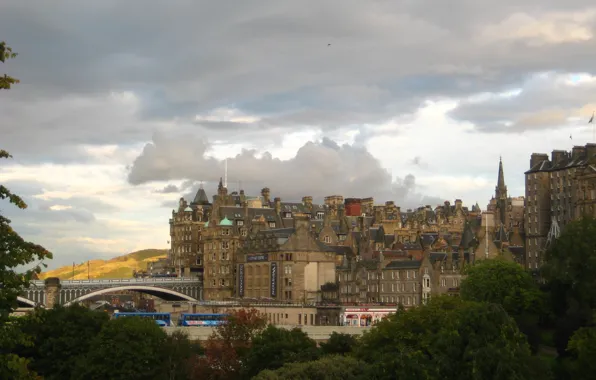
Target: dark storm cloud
point(318, 169)
point(268, 58)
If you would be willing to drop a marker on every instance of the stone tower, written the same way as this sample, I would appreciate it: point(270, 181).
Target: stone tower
point(52, 291)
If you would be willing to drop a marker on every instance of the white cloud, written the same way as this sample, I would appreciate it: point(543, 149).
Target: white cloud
point(547, 28)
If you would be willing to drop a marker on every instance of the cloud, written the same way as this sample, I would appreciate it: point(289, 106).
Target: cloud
point(544, 101)
point(168, 189)
point(266, 67)
point(318, 169)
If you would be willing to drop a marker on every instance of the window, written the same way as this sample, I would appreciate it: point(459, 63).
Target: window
point(320, 215)
point(225, 244)
point(443, 282)
point(225, 231)
point(288, 269)
point(327, 239)
point(240, 223)
point(272, 224)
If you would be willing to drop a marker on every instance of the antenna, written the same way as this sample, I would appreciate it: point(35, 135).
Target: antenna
point(226, 174)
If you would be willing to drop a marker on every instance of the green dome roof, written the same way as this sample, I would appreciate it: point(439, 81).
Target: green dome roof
point(207, 224)
point(226, 222)
point(188, 209)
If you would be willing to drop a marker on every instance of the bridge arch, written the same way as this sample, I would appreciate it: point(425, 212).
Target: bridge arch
point(25, 301)
point(138, 288)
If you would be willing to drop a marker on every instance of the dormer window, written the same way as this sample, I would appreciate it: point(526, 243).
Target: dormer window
point(320, 215)
point(327, 239)
point(272, 224)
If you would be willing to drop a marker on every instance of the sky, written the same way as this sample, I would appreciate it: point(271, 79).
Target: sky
point(124, 107)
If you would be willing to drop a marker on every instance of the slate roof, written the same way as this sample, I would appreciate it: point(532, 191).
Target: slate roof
point(404, 264)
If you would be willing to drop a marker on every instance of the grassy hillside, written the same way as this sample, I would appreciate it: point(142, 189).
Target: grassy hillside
point(118, 267)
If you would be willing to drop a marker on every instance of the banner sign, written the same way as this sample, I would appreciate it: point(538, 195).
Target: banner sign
point(255, 258)
point(241, 280)
point(273, 279)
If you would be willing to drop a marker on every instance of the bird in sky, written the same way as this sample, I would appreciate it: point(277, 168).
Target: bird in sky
point(328, 45)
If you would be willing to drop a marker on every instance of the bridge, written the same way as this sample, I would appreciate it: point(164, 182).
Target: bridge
point(54, 291)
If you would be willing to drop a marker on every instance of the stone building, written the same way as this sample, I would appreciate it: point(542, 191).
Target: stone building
point(186, 224)
point(235, 242)
point(401, 280)
point(558, 190)
point(288, 264)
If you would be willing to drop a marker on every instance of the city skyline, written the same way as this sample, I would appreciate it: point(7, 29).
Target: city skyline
point(111, 125)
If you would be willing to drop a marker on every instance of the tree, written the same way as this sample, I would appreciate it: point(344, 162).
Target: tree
point(330, 367)
point(582, 347)
point(6, 53)
point(126, 348)
point(570, 272)
point(180, 350)
point(228, 345)
point(511, 286)
point(339, 344)
point(60, 337)
point(447, 339)
point(571, 262)
point(275, 347)
point(15, 253)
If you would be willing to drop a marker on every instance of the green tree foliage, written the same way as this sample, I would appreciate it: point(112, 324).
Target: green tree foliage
point(327, 368)
point(511, 286)
point(128, 349)
point(447, 339)
point(339, 344)
point(60, 337)
point(15, 252)
point(570, 271)
point(582, 347)
point(6, 53)
point(275, 347)
point(571, 262)
point(179, 351)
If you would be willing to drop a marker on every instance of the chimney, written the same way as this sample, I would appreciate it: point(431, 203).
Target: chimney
point(301, 221)
point(277, 201)
point(307, 201)
point(590, 150)
point(537, 158)
point(578, 152)
point(265, 193)
point(557, 156)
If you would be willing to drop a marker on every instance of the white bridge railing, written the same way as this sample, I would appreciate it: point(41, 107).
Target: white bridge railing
point(123, 281)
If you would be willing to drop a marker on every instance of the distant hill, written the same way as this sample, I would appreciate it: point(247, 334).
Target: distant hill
point(118, 267)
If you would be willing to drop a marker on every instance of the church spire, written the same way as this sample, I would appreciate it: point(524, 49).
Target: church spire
point(501, 189)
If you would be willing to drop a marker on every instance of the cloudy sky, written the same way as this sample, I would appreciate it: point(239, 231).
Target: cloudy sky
point(124, 106)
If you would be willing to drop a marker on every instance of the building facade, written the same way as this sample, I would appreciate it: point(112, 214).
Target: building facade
point(558, 190)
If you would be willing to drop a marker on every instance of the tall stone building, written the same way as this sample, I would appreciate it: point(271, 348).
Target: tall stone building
point(558, 190)
point(186, 224)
